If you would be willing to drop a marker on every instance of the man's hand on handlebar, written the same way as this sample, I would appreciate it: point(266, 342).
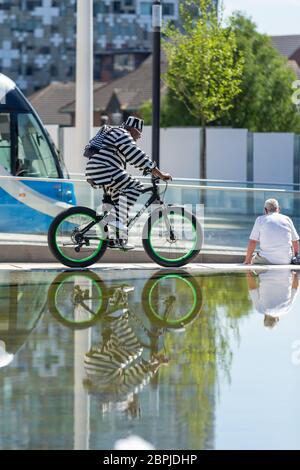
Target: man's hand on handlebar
point(159, 174)
point(92, 183)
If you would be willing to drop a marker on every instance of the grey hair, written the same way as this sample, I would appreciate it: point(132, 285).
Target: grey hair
point(271, 205)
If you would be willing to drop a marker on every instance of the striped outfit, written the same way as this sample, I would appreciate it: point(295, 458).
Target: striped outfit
point(107, 168)
point(117, 363)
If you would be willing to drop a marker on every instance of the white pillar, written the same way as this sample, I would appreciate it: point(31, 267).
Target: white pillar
point(84, 77)
point(82, 344)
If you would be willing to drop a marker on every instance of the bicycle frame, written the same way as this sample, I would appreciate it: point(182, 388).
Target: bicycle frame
point(155, 197)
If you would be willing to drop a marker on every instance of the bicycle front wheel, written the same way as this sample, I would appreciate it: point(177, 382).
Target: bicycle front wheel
point(172, 299)
point(172, 236)
point(71, 240)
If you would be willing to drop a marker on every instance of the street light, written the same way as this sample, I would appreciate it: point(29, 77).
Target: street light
point(84, 78)
point(156, 25)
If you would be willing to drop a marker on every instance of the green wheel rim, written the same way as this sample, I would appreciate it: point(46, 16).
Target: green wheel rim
point(73, 259)
point(73, 322)
point(187, 315)
point(173, 260)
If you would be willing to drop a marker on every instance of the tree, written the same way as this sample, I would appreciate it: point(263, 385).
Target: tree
point(265, 102)
point(204, 67)
point(172, 112)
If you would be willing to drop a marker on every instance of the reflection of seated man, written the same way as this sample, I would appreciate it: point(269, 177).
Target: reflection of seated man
point(274, 295)
point(276, 235)
point(116, 366)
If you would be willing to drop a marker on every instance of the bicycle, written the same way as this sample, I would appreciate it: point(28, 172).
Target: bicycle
point(172, 236)
point(80, 299)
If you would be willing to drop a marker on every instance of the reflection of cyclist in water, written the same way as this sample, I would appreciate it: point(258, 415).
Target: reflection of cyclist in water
point(116, 366)
point(80, 297)
point(128, 355)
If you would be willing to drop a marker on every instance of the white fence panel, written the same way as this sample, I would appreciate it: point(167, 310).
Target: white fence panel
point(226, 153)
point(273, 158)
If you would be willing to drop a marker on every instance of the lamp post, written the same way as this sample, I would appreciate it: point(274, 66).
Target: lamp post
point(156, 26)
point(84, 125)
point(84, 77)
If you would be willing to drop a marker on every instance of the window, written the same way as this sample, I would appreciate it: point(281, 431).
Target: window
point(53, 71)
point(100, 8)
point(35, 158)
point(168, 9)
point(44, 50)
point(5, 142)
point(128, 6)
point(124, 62)
point(32, 4)
point(6, 6)
point(117, 7)
point(146, 8)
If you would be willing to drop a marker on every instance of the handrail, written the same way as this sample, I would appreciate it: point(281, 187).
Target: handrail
point(218, 181)
point(172, 184)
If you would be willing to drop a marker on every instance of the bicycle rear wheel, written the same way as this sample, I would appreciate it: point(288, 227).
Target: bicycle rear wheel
point(70, 245)
point(172, 236)
point(172, 299)
point(77, 299)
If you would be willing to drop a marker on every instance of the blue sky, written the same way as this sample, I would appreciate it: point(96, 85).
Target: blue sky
point(271, 16)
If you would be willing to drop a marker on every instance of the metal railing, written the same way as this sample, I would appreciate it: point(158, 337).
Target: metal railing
point(28, 205)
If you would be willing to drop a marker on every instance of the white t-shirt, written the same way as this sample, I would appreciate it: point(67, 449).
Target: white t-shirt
point(275, 233)
point(275, 294)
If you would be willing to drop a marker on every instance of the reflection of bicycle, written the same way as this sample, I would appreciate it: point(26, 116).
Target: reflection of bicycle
point(80, 299)
point(172, 299)
point(172, 236)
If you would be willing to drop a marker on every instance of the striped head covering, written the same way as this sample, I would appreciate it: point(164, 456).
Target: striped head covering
point(134, 122)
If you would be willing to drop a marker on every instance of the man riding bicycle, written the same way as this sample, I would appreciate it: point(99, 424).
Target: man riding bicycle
point(111, 149)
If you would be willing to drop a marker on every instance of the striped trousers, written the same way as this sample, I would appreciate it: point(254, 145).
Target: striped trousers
point(124, 191)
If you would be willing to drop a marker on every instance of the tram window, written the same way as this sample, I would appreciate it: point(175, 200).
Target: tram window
point(35, 158)
point(5, 142)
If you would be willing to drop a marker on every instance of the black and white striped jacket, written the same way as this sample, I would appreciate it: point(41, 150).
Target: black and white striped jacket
point(117, 149)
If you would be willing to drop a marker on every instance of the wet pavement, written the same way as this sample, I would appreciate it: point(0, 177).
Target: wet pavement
point(206, 357)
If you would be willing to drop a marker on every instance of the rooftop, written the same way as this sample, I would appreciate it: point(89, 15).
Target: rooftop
point(49, 100)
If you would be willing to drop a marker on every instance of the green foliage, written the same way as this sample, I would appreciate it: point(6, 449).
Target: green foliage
point(204, 354)
point(204, 66)
point(173, 112)
point(265, 103)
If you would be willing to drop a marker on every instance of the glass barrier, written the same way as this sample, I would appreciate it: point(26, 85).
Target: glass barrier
point(28, 206)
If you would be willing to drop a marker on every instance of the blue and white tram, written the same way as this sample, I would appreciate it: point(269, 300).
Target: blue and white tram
point(31, 192)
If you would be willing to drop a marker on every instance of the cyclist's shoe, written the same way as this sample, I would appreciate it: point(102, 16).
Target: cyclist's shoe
point(120, 244)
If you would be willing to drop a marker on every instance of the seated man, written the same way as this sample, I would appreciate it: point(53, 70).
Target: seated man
point(276, 235)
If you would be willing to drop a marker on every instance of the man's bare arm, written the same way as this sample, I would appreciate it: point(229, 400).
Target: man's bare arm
point(250, 251)
point(251, 281)
point(296, 247)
